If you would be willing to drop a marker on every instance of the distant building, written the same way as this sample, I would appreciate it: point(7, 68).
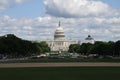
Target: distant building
point(60, 44)
point(89, 39)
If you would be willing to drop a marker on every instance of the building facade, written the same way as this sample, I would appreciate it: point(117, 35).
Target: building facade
point(60, 44)
point(89, 39)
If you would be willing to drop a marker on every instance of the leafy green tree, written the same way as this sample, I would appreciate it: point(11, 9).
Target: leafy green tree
point(103, 48)
point(85, 48)
point(99, 48)
point(15, 47)
point(74, 48)
point(43, 47)
point(117, 48)
point(111, 48)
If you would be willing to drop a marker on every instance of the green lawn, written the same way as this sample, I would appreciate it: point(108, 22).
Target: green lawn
point(61, 73)
point(47, 60)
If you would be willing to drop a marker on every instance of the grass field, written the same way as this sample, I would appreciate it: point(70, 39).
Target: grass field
point(61, 73)
point(47, 60)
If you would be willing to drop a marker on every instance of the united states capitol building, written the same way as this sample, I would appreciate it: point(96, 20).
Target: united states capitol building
point(60, 44)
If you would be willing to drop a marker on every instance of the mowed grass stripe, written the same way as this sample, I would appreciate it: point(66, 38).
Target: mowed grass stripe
point(47, 60)
point(61, 73)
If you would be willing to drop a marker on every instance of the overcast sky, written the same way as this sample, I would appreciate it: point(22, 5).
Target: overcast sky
point(38, 19)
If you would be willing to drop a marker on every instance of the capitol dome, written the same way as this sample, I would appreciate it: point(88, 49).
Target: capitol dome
point(59, 33)
point(59, 29)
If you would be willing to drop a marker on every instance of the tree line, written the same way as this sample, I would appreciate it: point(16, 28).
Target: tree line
point(100, 48)
point(12, 46)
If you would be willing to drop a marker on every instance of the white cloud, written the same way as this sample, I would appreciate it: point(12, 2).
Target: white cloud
point(4, 4)
point(22, 1)
point(43, 28)
point(27, 28)
point(3, 1)
point(93, 17)
point(78, 8)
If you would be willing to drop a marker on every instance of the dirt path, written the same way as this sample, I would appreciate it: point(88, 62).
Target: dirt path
point(15, 65)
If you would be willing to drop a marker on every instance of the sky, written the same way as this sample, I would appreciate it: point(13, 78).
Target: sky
point(38, 19)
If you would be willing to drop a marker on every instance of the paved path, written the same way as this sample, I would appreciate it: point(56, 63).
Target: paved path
point(15, 65)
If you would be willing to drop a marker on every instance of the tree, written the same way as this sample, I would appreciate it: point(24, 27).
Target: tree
point(74, 48)
point(15, 47)
point(43, 47)
point(85, 48)
point(103, 48)
point(117, 48)
point(111, 48)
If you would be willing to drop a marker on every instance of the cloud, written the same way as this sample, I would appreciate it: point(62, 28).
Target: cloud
point(83, 17)
point(42, 28)
point(22, 1)
point(79, 18)
point(27, 28)
point(78, 8)
point(4, 4)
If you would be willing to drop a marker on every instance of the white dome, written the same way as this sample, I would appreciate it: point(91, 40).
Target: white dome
point(89, 38)
point(60, 29)
point(59, 33)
